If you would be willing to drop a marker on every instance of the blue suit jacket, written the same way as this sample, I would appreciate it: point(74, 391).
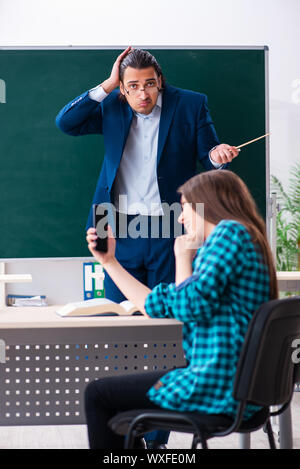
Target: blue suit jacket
point(186, 132)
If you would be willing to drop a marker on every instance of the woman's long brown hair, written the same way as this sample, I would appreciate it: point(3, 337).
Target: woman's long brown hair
point(226, 197)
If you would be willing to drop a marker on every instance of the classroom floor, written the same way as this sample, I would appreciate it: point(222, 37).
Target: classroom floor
point(75, 436)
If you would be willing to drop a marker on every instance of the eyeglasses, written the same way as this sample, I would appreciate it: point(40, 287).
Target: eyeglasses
point(149, 87)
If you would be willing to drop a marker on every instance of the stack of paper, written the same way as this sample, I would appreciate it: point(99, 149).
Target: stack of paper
point(21, 300)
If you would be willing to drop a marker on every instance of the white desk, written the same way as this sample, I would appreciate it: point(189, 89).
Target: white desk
point(289, 281)
point(46, 361)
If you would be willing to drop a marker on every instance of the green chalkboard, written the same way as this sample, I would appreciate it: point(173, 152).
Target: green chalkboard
point(47, 178)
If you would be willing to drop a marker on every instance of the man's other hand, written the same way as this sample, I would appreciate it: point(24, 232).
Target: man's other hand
point(224, 153)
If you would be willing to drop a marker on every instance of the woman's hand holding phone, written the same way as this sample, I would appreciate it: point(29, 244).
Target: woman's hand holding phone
point(102, 257)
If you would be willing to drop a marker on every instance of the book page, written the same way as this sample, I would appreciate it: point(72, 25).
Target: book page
point(85, 306)
point(128, 306)
point(92, 302)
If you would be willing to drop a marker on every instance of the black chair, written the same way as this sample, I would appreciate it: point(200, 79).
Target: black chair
point(265, 376)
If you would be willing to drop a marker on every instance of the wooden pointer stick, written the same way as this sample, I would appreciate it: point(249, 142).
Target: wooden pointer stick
point(251, 141)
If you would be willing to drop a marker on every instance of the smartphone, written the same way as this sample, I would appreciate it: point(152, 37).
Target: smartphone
point(100, 222)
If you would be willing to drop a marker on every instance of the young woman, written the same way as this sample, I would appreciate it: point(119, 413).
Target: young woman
point(216, 291)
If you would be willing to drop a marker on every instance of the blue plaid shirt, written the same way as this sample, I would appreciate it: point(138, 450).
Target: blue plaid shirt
point(229, 282)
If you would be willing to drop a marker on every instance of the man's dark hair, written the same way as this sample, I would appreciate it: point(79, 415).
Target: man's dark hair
point(140, 59)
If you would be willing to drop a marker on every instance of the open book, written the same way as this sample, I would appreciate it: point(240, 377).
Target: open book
point(99, 307)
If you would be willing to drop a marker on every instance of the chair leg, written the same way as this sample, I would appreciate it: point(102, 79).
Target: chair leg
point(199, 439)
point(195, 441)
point(269, 430)
point(130, 439)
point(204, 443)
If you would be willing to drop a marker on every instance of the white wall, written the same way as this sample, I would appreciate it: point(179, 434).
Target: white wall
point(164, 22)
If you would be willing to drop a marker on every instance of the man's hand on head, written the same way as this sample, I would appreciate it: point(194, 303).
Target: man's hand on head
point(113, 81)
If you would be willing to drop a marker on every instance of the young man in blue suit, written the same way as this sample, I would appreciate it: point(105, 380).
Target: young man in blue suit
point(154, 134)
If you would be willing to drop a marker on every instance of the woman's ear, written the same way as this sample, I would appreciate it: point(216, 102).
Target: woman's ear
point(180, 218)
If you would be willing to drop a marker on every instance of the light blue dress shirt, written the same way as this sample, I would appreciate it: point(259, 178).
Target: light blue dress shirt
point(136, 187)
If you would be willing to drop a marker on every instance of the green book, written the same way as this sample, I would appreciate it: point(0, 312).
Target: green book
point(99, 291)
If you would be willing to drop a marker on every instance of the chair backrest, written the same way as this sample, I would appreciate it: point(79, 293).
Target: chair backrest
point(267, 371)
